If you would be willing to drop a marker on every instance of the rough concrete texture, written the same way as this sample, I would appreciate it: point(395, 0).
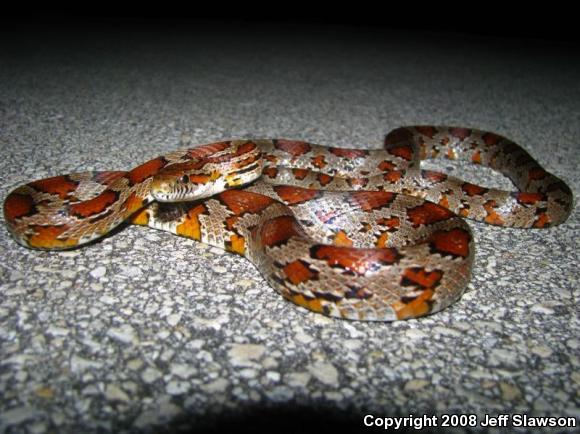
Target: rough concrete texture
point(145, 331)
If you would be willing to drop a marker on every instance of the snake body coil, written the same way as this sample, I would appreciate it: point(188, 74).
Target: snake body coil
point(358, 234)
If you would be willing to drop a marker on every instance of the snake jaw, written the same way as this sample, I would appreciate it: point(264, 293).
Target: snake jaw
point(175, 190)
point(184, 186)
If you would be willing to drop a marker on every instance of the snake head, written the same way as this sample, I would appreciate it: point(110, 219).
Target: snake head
point(199, 178)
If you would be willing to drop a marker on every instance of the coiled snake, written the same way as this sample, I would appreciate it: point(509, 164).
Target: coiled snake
point(358, 234)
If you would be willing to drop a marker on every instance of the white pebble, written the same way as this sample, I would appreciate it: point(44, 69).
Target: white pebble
point(273, 376)
point(413, 385)
point(325, 373)
point(174, 319)
point(219, 269)
point(115, 393)
point(65, 284)
point(150, 375)
point(415, 334)
point(79, 364)
point(245, 354)
point(182, 370)
point(124, 334)
point(131, 271)
point(98, 272)
point(297, 379)
point(248, 373)
point(542, 351)
point(178, 387)
point(216, 386)
point(543, 309)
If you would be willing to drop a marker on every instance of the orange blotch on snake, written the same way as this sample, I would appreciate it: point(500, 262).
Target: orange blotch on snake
point(231, 222)
point(145, 170)
point(352, 259)
point(370, 200)
point(391, 222)
point(132, 204)
point(476, 157)
point(350, 154)
point(300, 173)
point(393, 176)
point(319, 161)
point(18, 205)
point(491, 139)
point(270, 172)
point(542, 221)
point(140, 218)
point(190, 228)
point(240, 202)
point(430, 175)
point(451, 154)
point(324, 179)
point(278, 230)
point(382, 240)
point(528, 198)
point(94, 206)
point(385, 166)
point(245, 148)
point(444, 201)
point(46, 237)
point(294, 148)
point(207, 150)
point(313, 304)
point(405, 152)
point(294, 195)
point(200, 179)
point(473, 190)
point(419, 306)
point(427, 131)
point(463, 212)
point(460, 133)
point(341, 239)
point(428, 213)
point(418, 276)
point(454, 242)
point(298, 272)
point(493, 218)
point(60, 185)
point(237, 245)
point(357, 182)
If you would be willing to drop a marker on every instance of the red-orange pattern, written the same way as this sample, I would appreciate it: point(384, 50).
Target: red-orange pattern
point(261, 222)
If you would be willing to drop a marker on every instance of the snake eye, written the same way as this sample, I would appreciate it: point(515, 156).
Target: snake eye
point(185, 179)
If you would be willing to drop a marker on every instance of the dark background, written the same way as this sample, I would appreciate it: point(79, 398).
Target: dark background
point(536, 23)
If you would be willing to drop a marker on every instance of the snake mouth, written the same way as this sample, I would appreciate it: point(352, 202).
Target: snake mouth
point(186, 188)
point(177, 192)
point(176, 186)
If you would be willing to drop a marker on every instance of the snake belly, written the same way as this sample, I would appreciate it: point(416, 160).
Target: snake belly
point(350, 233)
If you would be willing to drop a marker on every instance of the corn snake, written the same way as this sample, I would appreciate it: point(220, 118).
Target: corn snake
point(351, 233)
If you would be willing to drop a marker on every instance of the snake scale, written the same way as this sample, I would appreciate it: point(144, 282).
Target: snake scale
point(351, 233)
